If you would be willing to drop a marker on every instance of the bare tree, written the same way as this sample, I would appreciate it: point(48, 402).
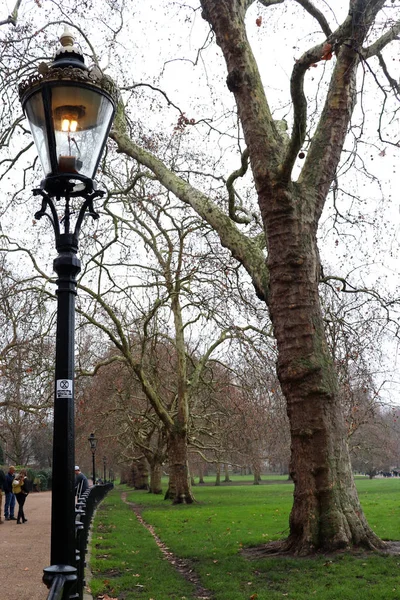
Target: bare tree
point(25, 362)
point(152, 312)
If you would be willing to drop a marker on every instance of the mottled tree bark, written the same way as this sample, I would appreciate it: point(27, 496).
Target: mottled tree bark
point(155, 477)
point(140, 474)
point(256, 474)
point(217, 474)
point(179, 489)
point(226, 469)
point(201, 474)
point(326, 512)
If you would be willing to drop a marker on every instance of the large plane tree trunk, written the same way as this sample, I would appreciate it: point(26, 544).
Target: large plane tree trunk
point(326, 512)
point(155, 477)
point(179, 488)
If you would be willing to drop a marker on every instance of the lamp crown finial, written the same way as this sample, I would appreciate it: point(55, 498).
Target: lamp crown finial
point(67, 38)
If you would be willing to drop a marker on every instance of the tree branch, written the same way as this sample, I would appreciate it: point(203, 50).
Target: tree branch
point(242, 248)
point(317, 14)
point(268, 2)
point(383, 41)
point(299, 101)
point(12, 19)
point(231, 190)
point(260, 132)
point(392, 82)
point(311, 57)
point(327, 143)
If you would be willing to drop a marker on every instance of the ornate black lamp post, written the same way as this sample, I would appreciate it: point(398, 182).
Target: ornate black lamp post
point(104, 469)
point(93, 445)
point(70, 109)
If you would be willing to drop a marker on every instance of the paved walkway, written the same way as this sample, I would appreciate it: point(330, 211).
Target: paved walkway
point(25, 551)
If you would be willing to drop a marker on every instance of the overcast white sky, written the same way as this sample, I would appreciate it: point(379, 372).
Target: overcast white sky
point(159, 43)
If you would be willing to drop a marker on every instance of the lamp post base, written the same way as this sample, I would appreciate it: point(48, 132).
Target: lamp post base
point(61, 581)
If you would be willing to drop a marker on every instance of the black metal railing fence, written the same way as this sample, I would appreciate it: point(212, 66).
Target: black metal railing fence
point(66, 582)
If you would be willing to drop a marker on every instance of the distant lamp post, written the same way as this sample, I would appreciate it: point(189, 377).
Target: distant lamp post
point(70, 110)
point(104, 468)
point(93, 445)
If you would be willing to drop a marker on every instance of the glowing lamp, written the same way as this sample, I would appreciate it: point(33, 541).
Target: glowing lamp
point(70, 109)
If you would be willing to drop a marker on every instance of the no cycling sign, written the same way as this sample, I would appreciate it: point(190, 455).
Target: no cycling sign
point(64, 388)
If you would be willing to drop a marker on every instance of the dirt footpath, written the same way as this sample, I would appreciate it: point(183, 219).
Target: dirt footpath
point(25, 551)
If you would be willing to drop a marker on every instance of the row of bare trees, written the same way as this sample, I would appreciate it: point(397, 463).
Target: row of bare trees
point(129, 393)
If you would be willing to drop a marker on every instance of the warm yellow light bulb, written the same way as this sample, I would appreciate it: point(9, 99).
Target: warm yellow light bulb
point(69, 118)
point(69, 125)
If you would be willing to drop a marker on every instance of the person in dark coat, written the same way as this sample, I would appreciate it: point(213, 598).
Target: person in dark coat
point(9, 504)
point(21, 488)
point(81, 482)
point(2, 491)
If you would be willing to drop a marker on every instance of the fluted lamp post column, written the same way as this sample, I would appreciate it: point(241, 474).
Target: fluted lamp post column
point(70, 110)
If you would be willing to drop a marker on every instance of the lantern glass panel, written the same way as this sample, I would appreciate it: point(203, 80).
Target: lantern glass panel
point(35, 115)
point(81, 119)
point(92, 442)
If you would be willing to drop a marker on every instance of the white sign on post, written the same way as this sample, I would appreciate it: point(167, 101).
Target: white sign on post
point(64, 388)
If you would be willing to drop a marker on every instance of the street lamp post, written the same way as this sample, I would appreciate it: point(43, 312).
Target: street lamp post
point(70, 110)
point(104, 469)
point(93, 445)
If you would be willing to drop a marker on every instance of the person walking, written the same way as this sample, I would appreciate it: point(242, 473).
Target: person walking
point(2, 484)
point(9, 504)
point(81, 482)
point(21, 490)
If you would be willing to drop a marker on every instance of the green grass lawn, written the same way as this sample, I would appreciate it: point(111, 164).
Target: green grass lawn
point(127, 563)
